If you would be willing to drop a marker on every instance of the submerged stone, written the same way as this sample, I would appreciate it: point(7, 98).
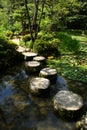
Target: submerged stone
point(39, 86)
point(68, 104)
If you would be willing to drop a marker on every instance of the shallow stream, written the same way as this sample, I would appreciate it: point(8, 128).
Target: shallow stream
point(20, 110)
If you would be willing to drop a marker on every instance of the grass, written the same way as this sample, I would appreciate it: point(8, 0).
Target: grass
point(73, 66)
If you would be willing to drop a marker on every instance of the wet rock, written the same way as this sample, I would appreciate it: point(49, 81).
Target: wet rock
point(82, 124)
point(40, 86)
point(28, 56)
point(21, 76)
point(49, 73)
point(68, 104)
point(19, 102)
point(32, 66)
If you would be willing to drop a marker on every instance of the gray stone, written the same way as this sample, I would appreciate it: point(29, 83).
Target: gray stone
point(68, 104)
point(49, 73)
point(29, 55)
point(32, 66)
point(39, 86)
point(20, 49)
point(41, 59)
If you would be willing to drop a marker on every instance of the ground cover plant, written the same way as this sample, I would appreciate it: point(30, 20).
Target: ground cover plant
point(72, 66)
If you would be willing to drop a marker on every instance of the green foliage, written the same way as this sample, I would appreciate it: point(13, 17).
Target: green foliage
point(68, 44)
point(9, 33)
point(17, 26)
point(47, 45)
point(22, 43)
point(70, 67)
point(3, 41)
point(73, 66)
point(30, 44)
point(8, 54)
point(77, 22)
point(26, 37)
point(4, 48)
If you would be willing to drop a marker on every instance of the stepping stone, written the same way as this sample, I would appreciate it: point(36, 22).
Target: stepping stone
point(68, 104)
point(41, 59)
point(32, 66)
point(49, 73)
point(28, 56)
point(20, 49)
point(40, 86)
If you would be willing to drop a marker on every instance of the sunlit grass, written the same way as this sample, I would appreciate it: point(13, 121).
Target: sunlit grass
point(72, 66)
point(80, 38)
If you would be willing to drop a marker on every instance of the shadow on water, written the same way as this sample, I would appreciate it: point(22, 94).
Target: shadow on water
point(20, 110)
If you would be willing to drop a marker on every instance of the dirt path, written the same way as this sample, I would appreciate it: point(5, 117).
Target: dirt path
point(15, 40)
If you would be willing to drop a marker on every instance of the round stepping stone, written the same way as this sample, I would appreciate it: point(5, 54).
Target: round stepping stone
point(68, 104)
point(49, 73)
point(39, 86)
point(32, 66)
point(41, 59)
point(28, 56)
point(20, 49)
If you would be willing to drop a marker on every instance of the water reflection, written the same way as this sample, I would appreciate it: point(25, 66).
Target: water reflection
point(23, 111)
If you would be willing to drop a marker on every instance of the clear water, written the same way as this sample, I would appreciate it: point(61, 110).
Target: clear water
point(20, 110)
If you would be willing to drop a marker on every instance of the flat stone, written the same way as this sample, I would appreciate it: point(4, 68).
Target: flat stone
point(39, 58)
point(39, 85)
point(20, 49)
point(32, 66)
point(32, 63)
point(29, 55)
point(49, 73)
point(67, 101)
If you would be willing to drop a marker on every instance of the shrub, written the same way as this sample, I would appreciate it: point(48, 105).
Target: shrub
point(30, 44)
point(3, 41)
point(9, 34)
point(26, 38)
point(68, 44)
point(8, 54)
point(46, 47)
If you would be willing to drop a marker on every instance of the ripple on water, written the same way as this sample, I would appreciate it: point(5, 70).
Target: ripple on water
point(7, 88)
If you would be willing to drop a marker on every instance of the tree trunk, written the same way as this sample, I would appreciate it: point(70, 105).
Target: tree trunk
point(34, 23)
point(29, 21)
